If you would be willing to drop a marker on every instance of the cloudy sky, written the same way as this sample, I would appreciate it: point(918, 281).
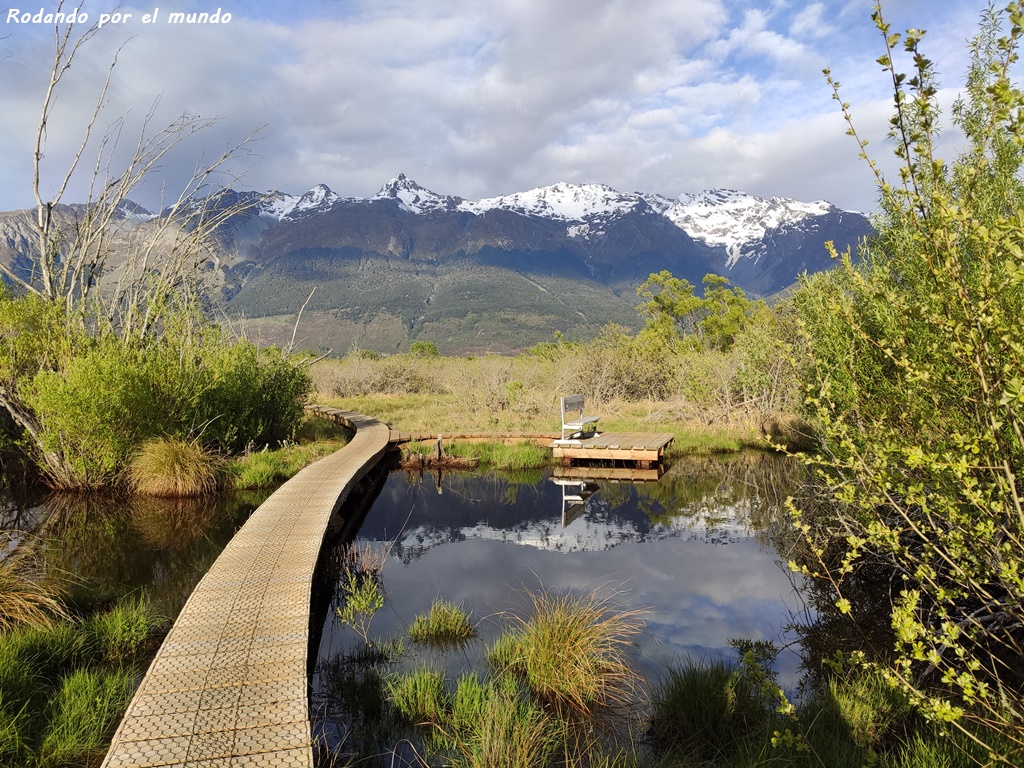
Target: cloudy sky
point(479, 99)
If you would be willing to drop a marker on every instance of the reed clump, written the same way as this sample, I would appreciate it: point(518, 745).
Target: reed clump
point(446, 624)
point(173, 468)
point(26, 598)
point(570, 651)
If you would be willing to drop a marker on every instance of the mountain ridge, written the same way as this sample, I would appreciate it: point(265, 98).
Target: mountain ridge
point(495, 274)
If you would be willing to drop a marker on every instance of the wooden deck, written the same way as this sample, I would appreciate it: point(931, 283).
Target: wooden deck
point(544, 438)
point(640, 447)
point(229, 687)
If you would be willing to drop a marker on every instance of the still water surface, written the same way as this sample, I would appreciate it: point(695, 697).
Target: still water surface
point(697, 550)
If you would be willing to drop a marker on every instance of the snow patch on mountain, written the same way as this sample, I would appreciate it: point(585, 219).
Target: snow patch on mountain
point(562, 201)
point(735, 220)
point(279, 205)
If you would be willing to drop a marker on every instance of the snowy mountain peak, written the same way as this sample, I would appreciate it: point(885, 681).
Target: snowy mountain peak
point(564, 201)
point(278, 205)
point(414, 198)
point(319, 197)
point(726, 217)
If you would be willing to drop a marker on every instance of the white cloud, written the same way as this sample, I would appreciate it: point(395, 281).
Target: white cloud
point(810, 22)
point(480, 99)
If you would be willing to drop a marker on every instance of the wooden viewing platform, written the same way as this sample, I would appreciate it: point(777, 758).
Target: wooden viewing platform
point(229, 686)
point(644, 448)
point(400, 438)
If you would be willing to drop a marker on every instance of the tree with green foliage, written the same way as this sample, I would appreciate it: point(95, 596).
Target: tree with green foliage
point(424, 349)
point(712, 321)
point(915, 376)
point(103, 341)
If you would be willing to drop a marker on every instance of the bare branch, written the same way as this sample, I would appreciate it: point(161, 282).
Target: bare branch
point(298, 318)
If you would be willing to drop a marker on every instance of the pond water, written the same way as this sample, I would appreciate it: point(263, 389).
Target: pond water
point(116, 545)
point(697, 550)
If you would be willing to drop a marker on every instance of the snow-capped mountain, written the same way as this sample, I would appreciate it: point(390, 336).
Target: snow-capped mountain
point(561, 202)
point(413, 198)
point(739, 224)
point(500, 273)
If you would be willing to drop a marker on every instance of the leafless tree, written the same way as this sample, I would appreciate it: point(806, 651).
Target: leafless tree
point(158, 262)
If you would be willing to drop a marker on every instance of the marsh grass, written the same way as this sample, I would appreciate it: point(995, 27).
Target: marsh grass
point(703, 398)
point(570, 651)
point(267, 468)
point(82, 715)
point(125, 631)
point(26, 597)
point(708, 711)
point(63, 688)
point(172, 467)
point(419, 697)
point(518, 456)
point(511, 732)
point(444, 625)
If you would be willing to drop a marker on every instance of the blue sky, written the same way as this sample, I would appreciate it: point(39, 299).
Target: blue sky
point(480, 99)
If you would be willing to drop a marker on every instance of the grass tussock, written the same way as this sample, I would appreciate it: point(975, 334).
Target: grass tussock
point(26, 598)
point(419, 697)
point(510, 732)
point(445, 625)
point(570, 651)
point(708, 711)
point(173, 468)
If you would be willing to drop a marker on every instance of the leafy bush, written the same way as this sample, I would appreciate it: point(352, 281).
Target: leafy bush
point(916, 379)
point(91, 408)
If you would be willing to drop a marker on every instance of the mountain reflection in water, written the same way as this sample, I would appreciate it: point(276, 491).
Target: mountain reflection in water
point(695, 549)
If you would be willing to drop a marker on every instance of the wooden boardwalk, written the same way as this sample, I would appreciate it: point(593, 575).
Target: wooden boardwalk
point(228, 687)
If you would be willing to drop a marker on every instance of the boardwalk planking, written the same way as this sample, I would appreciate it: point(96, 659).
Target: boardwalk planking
point(228, 686)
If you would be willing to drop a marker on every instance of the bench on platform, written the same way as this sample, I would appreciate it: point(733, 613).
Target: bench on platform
point(580, 427)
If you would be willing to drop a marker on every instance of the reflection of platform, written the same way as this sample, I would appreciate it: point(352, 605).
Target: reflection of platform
point(615, 446)
point(614, 474)
point(574, 496)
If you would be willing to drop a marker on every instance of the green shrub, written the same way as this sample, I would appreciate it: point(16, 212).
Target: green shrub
point(86, 404)
point(914, 377)
point(94, 412)
point(423, 349)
